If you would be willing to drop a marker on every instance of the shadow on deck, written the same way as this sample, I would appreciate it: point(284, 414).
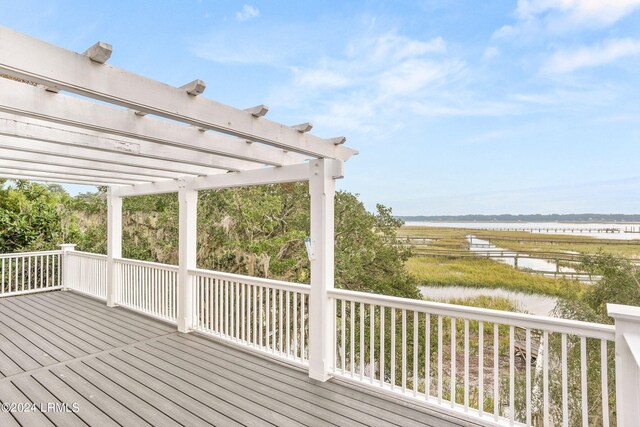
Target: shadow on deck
point(122, 368)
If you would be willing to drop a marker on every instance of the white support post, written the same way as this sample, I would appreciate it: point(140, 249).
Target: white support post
point(627, 362)
point(114, 244)
point(66, 248)
point(188, 223)
point(321, 310)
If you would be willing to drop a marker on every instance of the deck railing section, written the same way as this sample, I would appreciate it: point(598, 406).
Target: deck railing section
point(504, 367)
point(148, 287)
point(87, 273)
point(28, 272)
point(267, 315)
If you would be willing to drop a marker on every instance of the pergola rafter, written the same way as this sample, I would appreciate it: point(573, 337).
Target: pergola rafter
point(21, 99)
point(192, 144)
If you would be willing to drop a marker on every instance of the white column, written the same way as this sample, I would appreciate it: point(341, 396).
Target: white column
point(188, 223)
point(627, 362)
point(66, 270)
point(321, 308)
point(114, 244)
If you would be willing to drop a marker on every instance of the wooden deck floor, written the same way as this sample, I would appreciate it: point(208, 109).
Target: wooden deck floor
point(122, 368)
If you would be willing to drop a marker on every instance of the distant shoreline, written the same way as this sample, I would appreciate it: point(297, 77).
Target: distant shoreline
point(515, 219)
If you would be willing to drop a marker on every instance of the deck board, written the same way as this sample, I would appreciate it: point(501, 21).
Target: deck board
point(123, 368)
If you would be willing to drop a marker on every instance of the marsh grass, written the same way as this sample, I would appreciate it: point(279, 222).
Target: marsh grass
point(485, 273)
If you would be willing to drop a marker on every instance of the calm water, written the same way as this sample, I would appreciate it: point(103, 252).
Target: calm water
point(564, 228)
point(541, 305)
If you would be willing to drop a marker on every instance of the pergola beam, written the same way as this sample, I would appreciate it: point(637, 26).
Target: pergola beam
point(27, 158)
point(71, 171)
point(264, 176)
point(25, 100)
point(61, 180)
point(76, 152)
point(5, 171)
point(11, 125)
point(54, 66)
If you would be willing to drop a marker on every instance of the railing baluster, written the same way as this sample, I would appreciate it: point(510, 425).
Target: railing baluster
point(415, 353)
point(512, 396)
point(565, 397)
point(382, 338)
point(280, 326)
point(302, 328)
point(273, 321)
point(288, 323)
point(352, 336)
point(295, 328)
point(453, 362)
point(440, 359)
point(604, 383)
point(403, 366)
point(481, 368)
point(545, 378)
point(466, 365)
point(427, 355)
point(583, 381)
point(372, 335)
point(343, 331)
point(528, 375)
point(261, 291)
point(362, 351)
point(393, 348)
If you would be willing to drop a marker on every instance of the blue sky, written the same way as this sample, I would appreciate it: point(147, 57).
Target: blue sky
point(456, 107)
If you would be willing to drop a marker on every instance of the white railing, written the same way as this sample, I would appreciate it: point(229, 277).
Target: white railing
point(506, 368)
point(148, 287)
point(87, 273)
point(496, 367)
point(266, 315)
point(28, 272)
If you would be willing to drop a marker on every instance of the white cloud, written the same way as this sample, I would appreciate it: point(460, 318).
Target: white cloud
point(590, 12)
point(560, 16)
point(248, 12)
point(486, 137)
point(491, 52)
point(609, 51)
point(320, 78)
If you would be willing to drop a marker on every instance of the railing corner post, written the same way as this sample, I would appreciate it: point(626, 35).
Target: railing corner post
point(322, 328)
point(114, 244)
point(66, 248)
point(188, 227)
point(627, 344)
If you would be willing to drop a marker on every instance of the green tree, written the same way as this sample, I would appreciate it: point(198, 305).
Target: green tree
point(34, 216)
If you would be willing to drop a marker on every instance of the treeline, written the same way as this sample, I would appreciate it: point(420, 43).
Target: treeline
point(587, 217)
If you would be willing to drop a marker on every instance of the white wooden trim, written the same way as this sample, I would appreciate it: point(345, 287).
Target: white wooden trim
point(25, 100)
point(267, 175)
point(60, 68)
point(28, 168)
point(59, 180)
point(188, 226)
point(321, 308)
point(46, 160)
point(114, 244)
point(77, 152)
point(16, 126)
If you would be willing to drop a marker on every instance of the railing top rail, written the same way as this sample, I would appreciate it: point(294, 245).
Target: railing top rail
point(550, 324)
point(258, 281)
point(146, 264)
point(86, 254)
point(29, 254)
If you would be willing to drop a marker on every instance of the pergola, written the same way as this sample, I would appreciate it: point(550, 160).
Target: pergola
point(139, 136)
